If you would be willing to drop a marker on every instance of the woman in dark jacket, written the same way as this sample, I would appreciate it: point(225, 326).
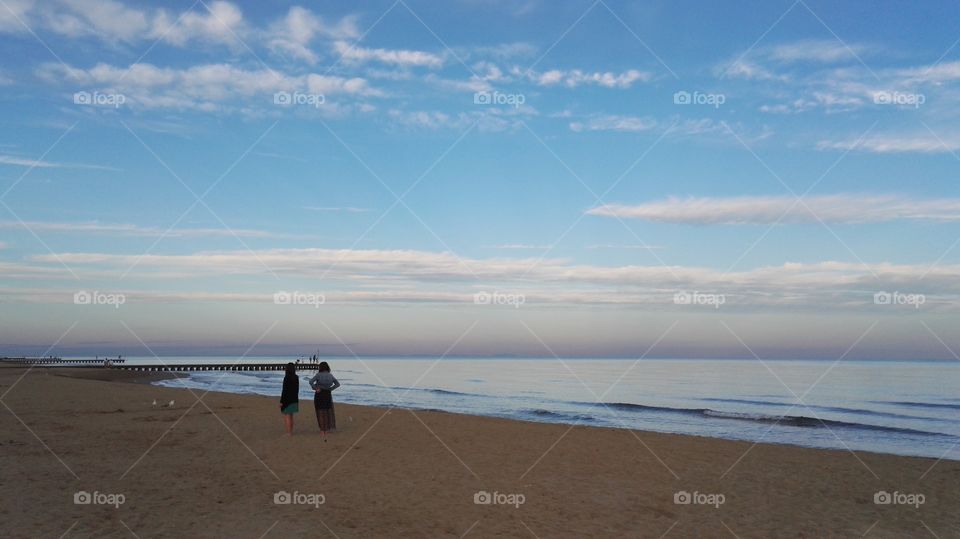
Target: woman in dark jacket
point(290, 397)
point(323, 383)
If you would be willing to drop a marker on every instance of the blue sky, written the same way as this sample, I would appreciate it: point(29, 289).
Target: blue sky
point(676, 179)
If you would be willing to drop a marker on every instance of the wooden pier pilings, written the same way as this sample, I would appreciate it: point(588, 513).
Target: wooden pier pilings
point(154, 366)
point(215, 367)
point(57, 361)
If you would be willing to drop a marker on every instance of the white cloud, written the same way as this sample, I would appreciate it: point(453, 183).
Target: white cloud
point(12, 13)
point(103, 18)
point(113, 21)
point(938, 73)
point(896, 143)
point(745, 69)
point(489, 119)
point(120, 229)
point(37, 163)
point(816, 50)
point(841, 208)
point(221, 23)
point(403, 275)
point(612, 122)
point(217, 22)
point(293, 34)
point(399, 57)
point(205, 87)
point(576, 77)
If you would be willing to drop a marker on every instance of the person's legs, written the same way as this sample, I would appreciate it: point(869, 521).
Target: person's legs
point(288, 423)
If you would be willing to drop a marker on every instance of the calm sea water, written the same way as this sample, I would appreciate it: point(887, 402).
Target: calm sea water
point(905, 408)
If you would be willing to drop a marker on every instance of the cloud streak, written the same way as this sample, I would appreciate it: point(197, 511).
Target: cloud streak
point(840, 208)
point(424, 276)
point(131, 230)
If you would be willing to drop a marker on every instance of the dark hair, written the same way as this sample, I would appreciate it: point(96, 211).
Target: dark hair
point(324, 367)
point(291, 369)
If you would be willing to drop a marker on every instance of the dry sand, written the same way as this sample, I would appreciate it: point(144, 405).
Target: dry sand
point(211, 468)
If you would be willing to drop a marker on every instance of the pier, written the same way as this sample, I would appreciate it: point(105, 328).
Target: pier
point(216, 367)
point(57, 361)
point(157, 366)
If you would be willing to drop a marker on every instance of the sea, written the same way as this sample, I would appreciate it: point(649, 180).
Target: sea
point(895, 407)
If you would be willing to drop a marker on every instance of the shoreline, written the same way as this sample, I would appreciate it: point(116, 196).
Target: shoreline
point(173, 376)
point(401, 472)
point(812, 419)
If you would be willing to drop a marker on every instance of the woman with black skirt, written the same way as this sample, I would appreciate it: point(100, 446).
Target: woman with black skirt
point(289, 398)
point(323, 383)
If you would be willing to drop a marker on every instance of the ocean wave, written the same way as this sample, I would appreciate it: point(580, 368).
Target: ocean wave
point(838, 409)
point(554, 414)
point(785, 420)
point(804, 421)
point(746, 401)
point(911, 404)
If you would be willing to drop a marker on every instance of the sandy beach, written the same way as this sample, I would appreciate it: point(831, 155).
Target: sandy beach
point(214, 464)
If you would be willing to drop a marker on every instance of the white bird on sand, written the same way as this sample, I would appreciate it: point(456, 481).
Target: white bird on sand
point(168, 405)
point(154, 403)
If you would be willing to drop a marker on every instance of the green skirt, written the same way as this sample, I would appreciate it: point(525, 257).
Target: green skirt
point(291, 408)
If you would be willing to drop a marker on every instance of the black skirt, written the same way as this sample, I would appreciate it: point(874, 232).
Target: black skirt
point(323, 405)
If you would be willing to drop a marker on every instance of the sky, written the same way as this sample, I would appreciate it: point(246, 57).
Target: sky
point(480, 178)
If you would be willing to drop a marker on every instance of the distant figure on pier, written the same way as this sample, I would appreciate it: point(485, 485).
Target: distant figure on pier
point(323, 383)
point(290, 397)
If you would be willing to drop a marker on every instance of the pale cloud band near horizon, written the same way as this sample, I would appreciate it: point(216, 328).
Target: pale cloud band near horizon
point(839, 208)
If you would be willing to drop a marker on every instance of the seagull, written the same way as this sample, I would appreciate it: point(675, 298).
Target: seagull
point(154, 403)
point(168, 405)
